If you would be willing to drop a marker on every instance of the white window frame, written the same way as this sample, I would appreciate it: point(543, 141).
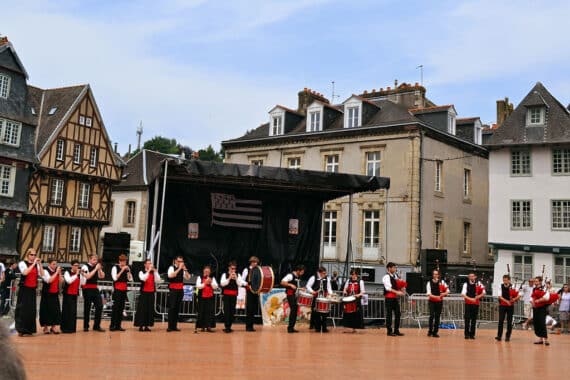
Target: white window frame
point(294, 162)
point(521, 214)
point(10, 132)
point(467, 239)
point(48, 238)
point(329, 229)
point(523, 270)
point(5, 82)
point(451, 122)
point(77, 154)
point(520, 163)
point(7, 180)
point(353, 116)
point(373, 161)
point(438, 234)
point(315, 114)
point(478, 133)
point(81, 120)
point(561, 161)
point(130, 213)
point(332, 163)
point(535, 118)
point(561, 271)
point(60, 150)
point(257, 162)
point(56, 192)
point(370, 231)
point(93, 156)
point(84, 193)
point(75, 239)
point(467, 183)
point(278, 117)
point(560, 214)
point(438, 176)
point(88, 121)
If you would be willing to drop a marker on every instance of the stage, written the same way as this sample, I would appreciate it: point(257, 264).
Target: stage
point(271, 353)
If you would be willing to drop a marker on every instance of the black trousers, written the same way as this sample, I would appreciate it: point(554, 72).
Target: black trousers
point(505, 311)
point(4, 300)
point(539, 321)
point(174, 302)
point(206, 316)
point(26, 310)
point(92, 296)
point(393, 306)
point(251, 307)
point(471, 313)
point(119, 297)
point(293, 308)
point(69, 314)
point(434, 316)
point(229, 310)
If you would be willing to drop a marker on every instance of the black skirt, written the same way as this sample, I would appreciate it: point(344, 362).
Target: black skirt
point(69, 314)
point(354, 320)
point(50, 310)
point(206, 317)
point(26, 311)
point(144, 315)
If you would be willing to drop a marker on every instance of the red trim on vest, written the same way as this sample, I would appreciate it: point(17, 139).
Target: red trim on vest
point(54, 286)
point(176, 285)
point(73, 288)
point(230, 292)
point(89, 286)
point(31, 280)
point(512, 294)
point(207, 290)
point(120, 286)
point(148, 286)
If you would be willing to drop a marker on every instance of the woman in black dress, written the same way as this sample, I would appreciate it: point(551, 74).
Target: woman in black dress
point(144, 316)
point(352, 316)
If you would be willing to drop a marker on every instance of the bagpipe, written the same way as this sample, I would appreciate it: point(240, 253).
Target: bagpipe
point(540, 292)
point(442, 289)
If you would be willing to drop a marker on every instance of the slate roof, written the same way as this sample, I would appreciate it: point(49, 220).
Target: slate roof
point(514, 131)
point(139, 170)
point(7, 45)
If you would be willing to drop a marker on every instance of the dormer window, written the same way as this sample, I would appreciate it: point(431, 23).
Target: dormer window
point(315, 121)
point(535, 116)
point(478, 133)
point(52, 111)
point(4, 86)
point(451, 122)
point(353, 116)
point(277, 125)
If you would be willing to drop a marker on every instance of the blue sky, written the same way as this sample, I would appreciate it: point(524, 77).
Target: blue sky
point(205, 71)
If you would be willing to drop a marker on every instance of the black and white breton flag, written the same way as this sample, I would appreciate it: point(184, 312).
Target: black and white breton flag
point(229, 211)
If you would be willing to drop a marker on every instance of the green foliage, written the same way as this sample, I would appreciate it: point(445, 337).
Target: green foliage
point(210, 154)
point(162, 145)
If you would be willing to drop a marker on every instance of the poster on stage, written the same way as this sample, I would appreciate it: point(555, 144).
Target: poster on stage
point(188, 293)
point(293, 226)
point(275, 308)
point(193, 230)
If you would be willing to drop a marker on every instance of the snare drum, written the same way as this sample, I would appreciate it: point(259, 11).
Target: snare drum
point(349, 304)
point(261, 280)
point(323, 305)
point(304, 299)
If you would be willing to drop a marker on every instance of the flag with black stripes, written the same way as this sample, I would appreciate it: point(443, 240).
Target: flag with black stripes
point(229, 211)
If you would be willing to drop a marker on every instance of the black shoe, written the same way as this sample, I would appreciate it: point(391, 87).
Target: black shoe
point(174, 329)
point(397, 333)
point(498, 338)
point(539, 342)
point(547, 343)
point(472, 337)
point(466, 337)
point(227, 330)
point(325, 330)
point(147, 328)
point(435, 335)
point(141, 328)
point(209, 330)
point(86, 329)
point(430, 333)
point(98, 329)
point(508, 339)
point(120, 329)
point(250, 329)
point(292, 331)
point(392, 334)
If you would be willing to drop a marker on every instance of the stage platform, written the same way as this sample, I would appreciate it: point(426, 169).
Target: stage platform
point(270, 353)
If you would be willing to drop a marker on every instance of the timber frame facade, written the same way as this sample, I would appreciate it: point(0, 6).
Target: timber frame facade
point(70, 192)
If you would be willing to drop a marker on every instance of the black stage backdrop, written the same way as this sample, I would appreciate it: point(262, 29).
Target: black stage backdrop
point(217, 245)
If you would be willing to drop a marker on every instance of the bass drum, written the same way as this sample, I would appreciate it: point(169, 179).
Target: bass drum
point(261, 280)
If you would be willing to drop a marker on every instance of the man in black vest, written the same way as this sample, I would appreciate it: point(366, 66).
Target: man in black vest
point(92, 273)
point(121, 274)
point(472, 293)
point(436, 289)
point(391, 293)
point(251, 299)
point(507, 298)
point(320, 286)
point(230, 284)
point(177, 273)
point(291, 283)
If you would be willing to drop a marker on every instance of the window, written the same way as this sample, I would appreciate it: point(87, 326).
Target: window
point(315, 121)
point(81, 120)
point(522, 267)
point(84, 190)
point(52, 111)
point(535, 116)
point(276, 125)
point(438, 234)
point(77, 154)
point(353, 117)
point(466, 183)
point(331, 163)
point(521, 215)
point(56, 192)
point(371, 229)
point(10, 132)
point(93, 157)
point(466, 239)
point(7, 180)
point(561, 161)
point(75, 240)
point(294, 163)
point(329, 234)
point(561, 270)
point(478, 134)
point(131, 209)
point(373, 164)
point(88, 122)
point(60, 150)
point(451, 123)
point(561, 214)
point(438, 174)
point(257, 162)
point(48, 238)
point(520, 163)
point(4, 86)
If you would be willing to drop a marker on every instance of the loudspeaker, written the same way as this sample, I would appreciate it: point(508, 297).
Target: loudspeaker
point(111, 255)
point(415, 283)
point(430, 259)
point(120, 240)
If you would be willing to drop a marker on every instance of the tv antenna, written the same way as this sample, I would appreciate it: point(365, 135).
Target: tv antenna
point(139, 135)
point(333, 94)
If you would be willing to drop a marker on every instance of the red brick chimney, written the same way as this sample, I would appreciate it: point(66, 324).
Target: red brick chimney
point(306, 97)
point(504, 109)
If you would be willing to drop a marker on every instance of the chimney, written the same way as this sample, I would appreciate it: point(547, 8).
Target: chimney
point(306, 97)
point(504, 109)
point(116, 144)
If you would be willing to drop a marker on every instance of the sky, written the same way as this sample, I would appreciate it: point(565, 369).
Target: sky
point(205, 71)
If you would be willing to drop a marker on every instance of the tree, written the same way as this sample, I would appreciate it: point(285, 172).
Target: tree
point(209, 154)
point(162, 145)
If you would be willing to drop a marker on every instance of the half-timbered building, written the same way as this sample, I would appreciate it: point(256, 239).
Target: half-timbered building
point(70, 192)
